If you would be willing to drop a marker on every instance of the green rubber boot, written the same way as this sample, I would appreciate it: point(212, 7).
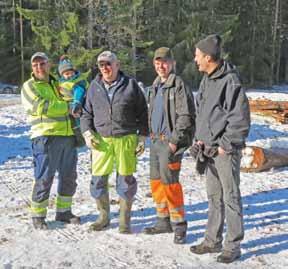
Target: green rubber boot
point(103, 219)
point(125, 216)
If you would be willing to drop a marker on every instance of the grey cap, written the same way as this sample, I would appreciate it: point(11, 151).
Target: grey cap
point(107, 56)
point(164, 53)
point(210, 45)
point(39, 55)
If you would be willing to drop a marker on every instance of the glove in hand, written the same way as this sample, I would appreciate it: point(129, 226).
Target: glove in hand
point(90, 139)
point(194, 150)
point(141, 145)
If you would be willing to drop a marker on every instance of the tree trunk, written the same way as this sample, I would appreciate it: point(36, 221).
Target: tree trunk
point(91, 13)
point(133, 40)
point(21, 44)
point(274, 41)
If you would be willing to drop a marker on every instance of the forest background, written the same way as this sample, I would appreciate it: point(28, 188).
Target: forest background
point(254, 33)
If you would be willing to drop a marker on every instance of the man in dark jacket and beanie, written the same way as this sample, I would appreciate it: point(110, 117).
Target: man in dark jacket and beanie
point(114, 124)
point(222, 125)
point(171, 122)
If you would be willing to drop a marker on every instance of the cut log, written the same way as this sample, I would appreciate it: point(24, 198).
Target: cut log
point(256, 159)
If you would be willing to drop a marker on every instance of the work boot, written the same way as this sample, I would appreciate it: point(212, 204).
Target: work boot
point(125, 216)
point(162, 225)
point(103, 219)
point(180, 233)
point(229, 256)
point(39, 223)
point(67, 217)
point(203, 248)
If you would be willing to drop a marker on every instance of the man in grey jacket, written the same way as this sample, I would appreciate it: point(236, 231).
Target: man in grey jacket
point(222, 125)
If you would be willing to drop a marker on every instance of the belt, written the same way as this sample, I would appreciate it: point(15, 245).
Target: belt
point(161, 137)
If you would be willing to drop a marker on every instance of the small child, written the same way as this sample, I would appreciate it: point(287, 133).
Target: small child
point(72, 88)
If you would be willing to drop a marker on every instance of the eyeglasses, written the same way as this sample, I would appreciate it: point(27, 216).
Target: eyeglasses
point(102, 65)
point(41, 64)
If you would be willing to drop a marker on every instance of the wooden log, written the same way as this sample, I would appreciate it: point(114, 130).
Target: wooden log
point(265, 104)
point(275, 109)
point(256, 159)
point(279, 116)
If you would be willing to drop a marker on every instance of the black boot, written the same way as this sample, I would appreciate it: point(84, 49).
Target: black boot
point(229, 256)
point(67, 217)
point(39, 223)
point(180, 233)
point(163, 225)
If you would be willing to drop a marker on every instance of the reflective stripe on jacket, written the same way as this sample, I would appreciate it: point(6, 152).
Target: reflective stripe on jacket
point(47, 113)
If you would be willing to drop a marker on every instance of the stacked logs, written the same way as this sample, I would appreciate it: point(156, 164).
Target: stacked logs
point(276, 109)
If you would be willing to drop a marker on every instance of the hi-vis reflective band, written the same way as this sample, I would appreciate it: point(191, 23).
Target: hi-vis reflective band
point(49, 120)
point(39, 209)
point(63, 203)
point(32, 89)
point(35, 102)
point(176, 210)
point(161, 205)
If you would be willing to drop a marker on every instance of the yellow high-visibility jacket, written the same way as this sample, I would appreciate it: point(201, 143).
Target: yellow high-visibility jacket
point(48, 114)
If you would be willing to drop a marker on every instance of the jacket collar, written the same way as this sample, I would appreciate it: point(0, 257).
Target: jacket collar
point(168, 83)
point(51, 79)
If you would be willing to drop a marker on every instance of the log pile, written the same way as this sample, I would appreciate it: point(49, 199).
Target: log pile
point(256, 159)
point(276, 109)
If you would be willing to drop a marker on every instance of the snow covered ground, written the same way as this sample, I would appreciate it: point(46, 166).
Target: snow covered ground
point(265, 201)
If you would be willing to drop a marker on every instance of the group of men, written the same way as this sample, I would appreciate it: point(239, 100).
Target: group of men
point(115, 122)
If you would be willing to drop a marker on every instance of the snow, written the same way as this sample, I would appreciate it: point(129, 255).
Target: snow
point(265, 203)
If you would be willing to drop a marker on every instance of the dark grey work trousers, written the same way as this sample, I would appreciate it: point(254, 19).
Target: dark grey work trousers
point(224, 201)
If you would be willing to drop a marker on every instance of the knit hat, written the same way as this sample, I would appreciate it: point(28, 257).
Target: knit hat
point(39, 55)
point(210, 45)
point(65, 64)
point(164, 53)
point(107, 56)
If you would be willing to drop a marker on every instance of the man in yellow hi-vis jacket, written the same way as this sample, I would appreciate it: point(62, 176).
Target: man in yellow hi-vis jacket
point(53, 143)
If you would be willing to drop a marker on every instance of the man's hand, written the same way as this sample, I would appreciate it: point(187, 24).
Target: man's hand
point(141, 145)
point(221, 151)
point(90, 139)
point(172, 147)
point(76, 109)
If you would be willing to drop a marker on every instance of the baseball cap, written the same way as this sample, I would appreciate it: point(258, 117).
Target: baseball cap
point(107, 56)
point(39, 55)
point(164, 53)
